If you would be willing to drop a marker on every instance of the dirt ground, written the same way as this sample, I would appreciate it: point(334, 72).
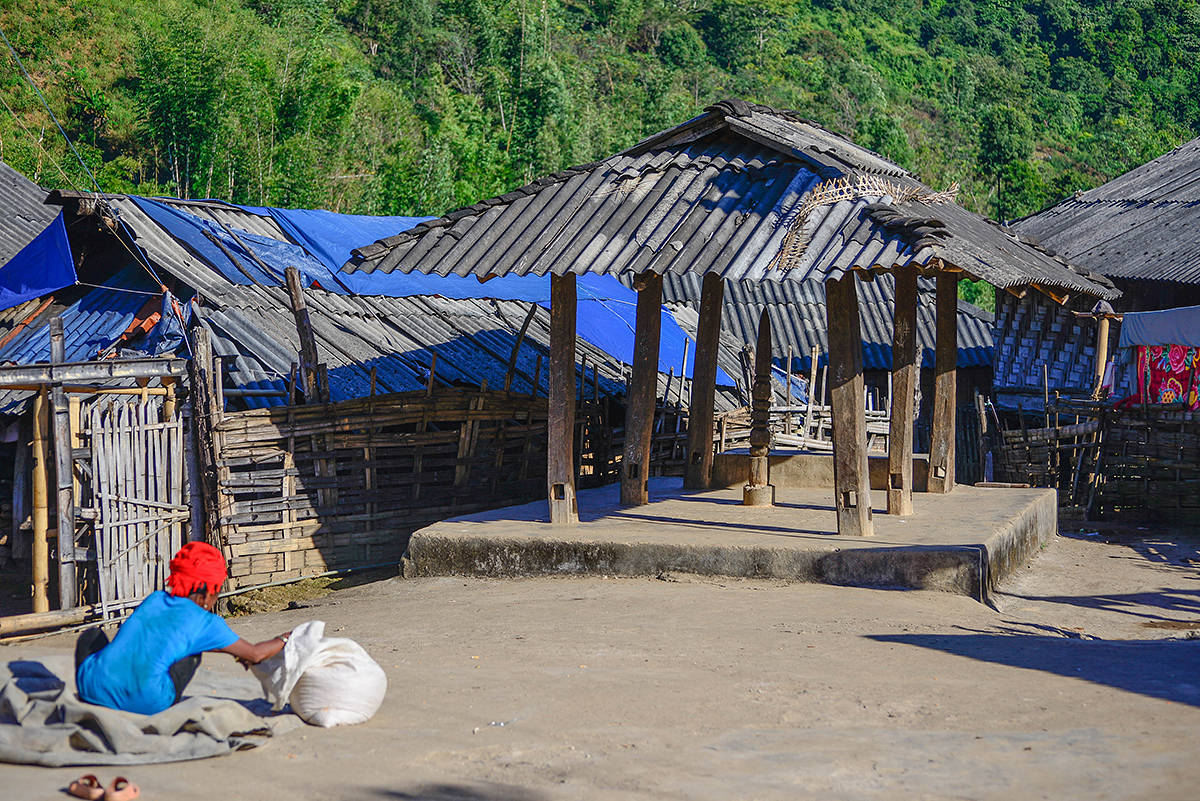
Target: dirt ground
point(1081, 683)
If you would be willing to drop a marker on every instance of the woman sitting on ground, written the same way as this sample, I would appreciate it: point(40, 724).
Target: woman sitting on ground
point(157, 650)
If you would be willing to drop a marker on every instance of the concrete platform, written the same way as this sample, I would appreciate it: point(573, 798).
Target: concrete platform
point(963, 542)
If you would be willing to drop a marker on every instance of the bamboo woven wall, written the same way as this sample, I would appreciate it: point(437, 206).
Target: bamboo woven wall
point(1141, 463)
point(1150, 463)
point(307, 489)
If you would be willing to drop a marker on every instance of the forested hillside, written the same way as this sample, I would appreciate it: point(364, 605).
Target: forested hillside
point(418, 106)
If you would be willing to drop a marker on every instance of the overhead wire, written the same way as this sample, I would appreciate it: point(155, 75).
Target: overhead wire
point(114, 213)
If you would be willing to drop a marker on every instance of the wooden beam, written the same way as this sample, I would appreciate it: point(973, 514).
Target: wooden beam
point(941, 443)
point(851, 479)
point(905, 375)
point(314, 388)
point(40, 558)
point(39, 621)
point(698, 470)
point(63, 475)
point(560, 448)
point(758, 490)
point(643, 388)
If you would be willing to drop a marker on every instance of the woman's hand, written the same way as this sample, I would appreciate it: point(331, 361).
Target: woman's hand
point(251, 653)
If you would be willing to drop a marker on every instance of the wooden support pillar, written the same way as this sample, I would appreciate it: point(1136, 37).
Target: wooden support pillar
point(698, 469)
point(758, 490)
point(40, 551)
point(643, 387)
point(560, 447)
point(905, 375)
point(63, 475)
point(851, 479)
point(1101, 352)
point(945, 390)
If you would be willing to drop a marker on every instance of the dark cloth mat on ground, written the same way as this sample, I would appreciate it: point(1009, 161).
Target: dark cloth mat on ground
point(43, 722)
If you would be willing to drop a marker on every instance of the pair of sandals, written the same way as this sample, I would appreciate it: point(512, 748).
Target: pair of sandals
point(88, 786)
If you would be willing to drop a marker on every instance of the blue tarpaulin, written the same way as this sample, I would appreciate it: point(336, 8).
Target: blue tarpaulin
point(44, 265)
point(91, 324)
point(1167, 327)
point(606, 314)
point(324, 240)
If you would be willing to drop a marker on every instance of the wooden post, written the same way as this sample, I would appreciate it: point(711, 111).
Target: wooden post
point(758, 490)
point(941, 442)
point(643, 389)
point(63, 474)
point(170, 402)
point(698, 469)
point(904, 377)
point(560, 447)
point(21, 539)
point(1101, 352)
point(40, 558)
point(208, 411)
point(851, 479)
point(314, 388)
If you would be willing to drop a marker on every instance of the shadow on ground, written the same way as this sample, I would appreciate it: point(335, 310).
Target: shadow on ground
point(462, 792)
point(1159, 609)
point(1166, 669)
point(1164, 546)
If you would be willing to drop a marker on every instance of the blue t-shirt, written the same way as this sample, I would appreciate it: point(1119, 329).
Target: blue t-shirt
point(130, 672)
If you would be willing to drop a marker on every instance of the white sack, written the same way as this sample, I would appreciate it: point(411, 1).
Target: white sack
point(329, 681)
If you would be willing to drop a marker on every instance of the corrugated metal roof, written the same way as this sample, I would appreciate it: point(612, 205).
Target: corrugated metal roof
point(744, 191)
point(23, 212)
point(1144, 224)
point(797, 314)
point(91, 324)
point(473, 339)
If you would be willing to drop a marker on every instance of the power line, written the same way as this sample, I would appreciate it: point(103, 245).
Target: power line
point(145, 261)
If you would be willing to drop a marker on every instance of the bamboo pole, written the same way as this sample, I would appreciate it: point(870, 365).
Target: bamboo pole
point(63, 470)
point(41, 502)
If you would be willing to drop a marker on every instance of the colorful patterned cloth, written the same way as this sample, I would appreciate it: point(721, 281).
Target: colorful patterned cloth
point(1168, 374)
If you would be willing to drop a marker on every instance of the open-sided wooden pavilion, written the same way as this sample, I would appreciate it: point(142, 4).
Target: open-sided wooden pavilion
point(742, 193)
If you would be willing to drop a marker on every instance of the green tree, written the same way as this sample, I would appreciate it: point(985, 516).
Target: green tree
point(1005, 141)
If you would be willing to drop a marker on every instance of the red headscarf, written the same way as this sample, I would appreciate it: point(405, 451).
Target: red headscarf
point(197, 566)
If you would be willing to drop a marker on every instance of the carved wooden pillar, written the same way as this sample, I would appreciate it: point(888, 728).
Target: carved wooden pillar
point(758, 490)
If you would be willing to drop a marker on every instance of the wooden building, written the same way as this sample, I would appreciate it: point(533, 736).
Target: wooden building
point(1141, 233)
